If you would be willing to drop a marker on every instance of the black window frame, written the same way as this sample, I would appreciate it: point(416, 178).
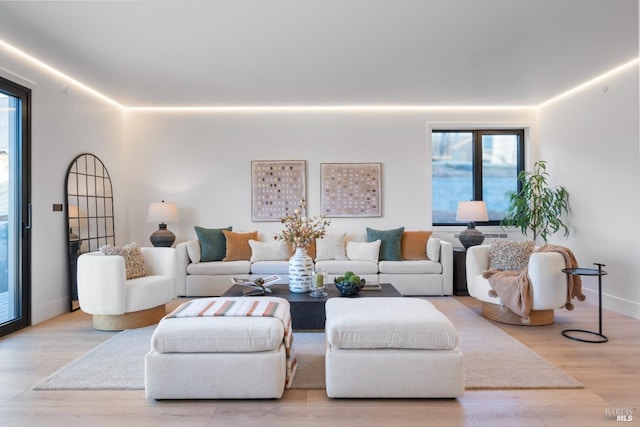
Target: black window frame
point(477, 162)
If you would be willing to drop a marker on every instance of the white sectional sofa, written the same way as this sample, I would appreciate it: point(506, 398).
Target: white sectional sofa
point(428, 277)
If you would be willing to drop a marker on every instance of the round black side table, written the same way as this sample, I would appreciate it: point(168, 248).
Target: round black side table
point(589, 272)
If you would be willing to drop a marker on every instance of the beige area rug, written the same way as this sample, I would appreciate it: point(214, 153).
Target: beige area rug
point(493, 359)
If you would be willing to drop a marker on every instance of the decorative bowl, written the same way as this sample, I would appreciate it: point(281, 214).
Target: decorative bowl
point(347, 288)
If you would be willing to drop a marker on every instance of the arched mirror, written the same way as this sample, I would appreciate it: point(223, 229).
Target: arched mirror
point(89, 212)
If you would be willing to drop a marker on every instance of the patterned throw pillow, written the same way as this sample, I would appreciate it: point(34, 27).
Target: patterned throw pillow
point(134, 264)
point(507, 255)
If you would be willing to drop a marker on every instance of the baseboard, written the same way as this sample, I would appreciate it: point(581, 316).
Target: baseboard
point(613, 303)
point(51, 309)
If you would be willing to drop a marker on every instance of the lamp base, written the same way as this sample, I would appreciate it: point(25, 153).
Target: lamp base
point(162, 238)
point(471, 237)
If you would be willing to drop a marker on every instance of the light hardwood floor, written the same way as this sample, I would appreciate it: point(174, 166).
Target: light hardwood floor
point(610, 373)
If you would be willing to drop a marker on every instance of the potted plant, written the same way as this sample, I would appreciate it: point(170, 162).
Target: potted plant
point(536, 207)
point(300, 231)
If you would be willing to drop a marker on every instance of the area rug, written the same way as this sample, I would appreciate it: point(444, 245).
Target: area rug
point(493, 359)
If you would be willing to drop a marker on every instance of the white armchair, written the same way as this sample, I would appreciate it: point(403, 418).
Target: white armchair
point(117, 303)
point(548, 284)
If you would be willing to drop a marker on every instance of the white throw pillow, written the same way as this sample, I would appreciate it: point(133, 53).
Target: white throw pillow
point(433, 249)
point(268, 251)
point(364, 251)
point(193, 250)
point(330, 247)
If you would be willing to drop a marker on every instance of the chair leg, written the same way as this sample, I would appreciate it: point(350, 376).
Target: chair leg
point(135, 319)
point(502, 314)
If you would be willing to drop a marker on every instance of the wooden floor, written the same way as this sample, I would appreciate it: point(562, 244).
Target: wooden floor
point(610, 373)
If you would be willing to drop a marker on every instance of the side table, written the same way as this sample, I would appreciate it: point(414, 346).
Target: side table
point(460, 272)
point(589, 272)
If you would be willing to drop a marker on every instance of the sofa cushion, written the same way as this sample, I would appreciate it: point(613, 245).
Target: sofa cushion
point(218, 334)
point(414, 244)
point(410, 267)
point(219, 268)
point(508, 255)
point(134, 264)
point(238, 245)
point(433, 249)
point(268, 251)
point(331, 246)
point(408, 323)
point(270, 267)
point(363, 251)
point(390, 242)
point(213, 244)
point(339, 267)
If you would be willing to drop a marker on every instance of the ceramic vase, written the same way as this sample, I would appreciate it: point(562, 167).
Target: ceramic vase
point(300, 271)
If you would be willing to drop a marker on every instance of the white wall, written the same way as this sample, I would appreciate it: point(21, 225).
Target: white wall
point(591, 141)
point(63, 126)
point(202, 162)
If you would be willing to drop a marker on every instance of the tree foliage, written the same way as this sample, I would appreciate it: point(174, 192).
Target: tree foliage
point(536, 207)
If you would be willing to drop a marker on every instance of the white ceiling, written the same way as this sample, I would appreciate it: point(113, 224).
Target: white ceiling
point(326, 52)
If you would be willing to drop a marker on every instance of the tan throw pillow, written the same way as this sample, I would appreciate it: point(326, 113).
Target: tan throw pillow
point(414, 244)
point(238, 248)
point(508, 255)
point(134, 264)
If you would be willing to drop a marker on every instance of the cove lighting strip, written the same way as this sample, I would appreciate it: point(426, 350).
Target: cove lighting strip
point(308, 108)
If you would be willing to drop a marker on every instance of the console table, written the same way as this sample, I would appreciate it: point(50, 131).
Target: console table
point(307, 312)
point(589, 272)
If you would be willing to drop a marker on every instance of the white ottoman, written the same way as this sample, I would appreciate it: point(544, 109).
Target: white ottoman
point(217, 357)
point(391, 348)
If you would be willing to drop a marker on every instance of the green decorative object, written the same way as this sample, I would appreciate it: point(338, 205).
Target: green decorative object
point(349, 284)
point(536, 207)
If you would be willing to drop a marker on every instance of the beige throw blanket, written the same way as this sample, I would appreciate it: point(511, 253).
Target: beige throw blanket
point(514, 287)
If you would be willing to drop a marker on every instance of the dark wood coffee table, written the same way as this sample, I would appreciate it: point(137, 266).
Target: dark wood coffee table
point(307, 312)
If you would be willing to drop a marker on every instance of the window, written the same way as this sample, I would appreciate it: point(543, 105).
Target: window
point(15, 217)
point(475, 165)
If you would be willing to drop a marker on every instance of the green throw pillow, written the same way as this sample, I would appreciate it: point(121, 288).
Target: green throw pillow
point(391, 243)
point(213, 244)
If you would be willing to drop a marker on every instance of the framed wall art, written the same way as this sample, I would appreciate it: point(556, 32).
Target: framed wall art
point(276, 188)
point(351, 189)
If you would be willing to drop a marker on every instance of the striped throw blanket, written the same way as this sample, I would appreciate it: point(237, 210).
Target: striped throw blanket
point(245, 307)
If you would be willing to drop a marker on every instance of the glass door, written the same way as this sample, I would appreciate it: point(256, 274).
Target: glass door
point(15, 212)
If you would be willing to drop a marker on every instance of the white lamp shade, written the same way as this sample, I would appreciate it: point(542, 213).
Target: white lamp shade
point(474, 211)
point(162, 212)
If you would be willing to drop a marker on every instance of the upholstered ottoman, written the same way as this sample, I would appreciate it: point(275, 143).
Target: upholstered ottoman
point(391, 348)
point(221, 348)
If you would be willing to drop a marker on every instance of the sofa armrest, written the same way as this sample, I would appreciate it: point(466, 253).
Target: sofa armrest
point(101, 284)
point(182, 261)
point(161, 262)
point(548, 282)
point(477, 262)
point(446, 259)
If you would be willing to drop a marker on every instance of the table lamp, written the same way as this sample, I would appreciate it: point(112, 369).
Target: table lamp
point(471, 212)
point(162, 212)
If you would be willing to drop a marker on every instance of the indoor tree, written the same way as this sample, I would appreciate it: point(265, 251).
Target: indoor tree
point(536, 207)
